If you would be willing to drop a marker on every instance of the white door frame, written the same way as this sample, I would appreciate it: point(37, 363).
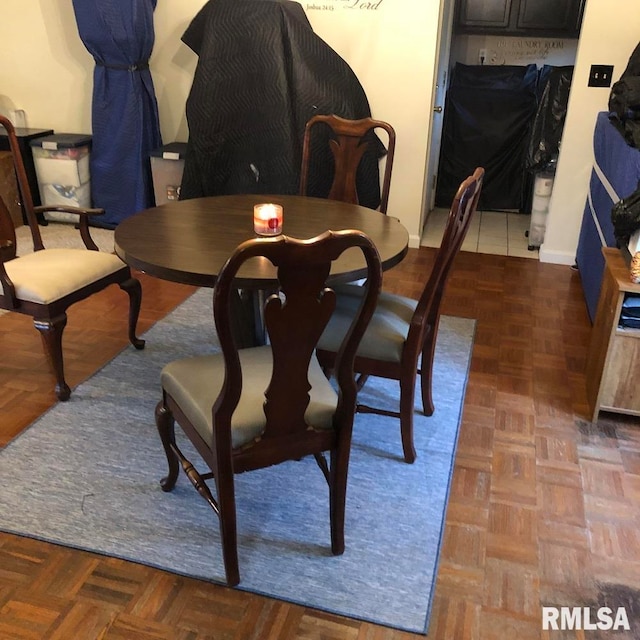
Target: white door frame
point(440, 84)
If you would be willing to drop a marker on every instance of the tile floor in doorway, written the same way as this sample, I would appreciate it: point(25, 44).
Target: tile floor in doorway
point(495, 232)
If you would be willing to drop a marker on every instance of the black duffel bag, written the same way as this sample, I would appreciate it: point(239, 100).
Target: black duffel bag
point(624, 108)
point(625, 216)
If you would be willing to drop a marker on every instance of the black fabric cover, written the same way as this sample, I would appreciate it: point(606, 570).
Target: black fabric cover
point(261, 74)
point(548, 122)
point(488, 113)
point(120, 35)
point(624, 101)
point(625, 216)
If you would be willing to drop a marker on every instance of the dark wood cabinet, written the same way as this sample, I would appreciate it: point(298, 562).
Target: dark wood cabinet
point(9, 191)
point(25, 135)
point(539, 18)
point(548, 14)
point(483, 14)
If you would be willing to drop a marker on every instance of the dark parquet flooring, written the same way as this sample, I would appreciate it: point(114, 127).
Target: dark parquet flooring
point(544, 506)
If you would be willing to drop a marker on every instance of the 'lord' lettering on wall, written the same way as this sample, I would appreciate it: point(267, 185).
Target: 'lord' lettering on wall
point(336, 5)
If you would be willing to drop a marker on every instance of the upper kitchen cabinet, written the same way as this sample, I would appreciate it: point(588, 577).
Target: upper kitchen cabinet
point(538, 18)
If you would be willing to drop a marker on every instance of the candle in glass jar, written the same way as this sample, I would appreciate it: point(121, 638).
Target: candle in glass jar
point(267, 219)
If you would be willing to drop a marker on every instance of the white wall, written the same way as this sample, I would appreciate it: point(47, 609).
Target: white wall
point(610, 32)
point(392, 50)
point(390, 44)
point(47, 72)
point(45, 68)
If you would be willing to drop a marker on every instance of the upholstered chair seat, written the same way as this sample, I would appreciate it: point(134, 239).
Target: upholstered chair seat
point(51, 274)
point(387, 331)
point(195, 383)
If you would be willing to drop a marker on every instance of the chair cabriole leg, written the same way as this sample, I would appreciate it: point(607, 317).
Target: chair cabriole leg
point(228, 530)
point(134, 290)
point(407, 394)
point(166, 428)
point(51, 332)
point(426, 367)
point(337, 498)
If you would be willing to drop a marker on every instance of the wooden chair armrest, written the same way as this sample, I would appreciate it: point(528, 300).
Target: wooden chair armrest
point(65, 209)
point(83, 222)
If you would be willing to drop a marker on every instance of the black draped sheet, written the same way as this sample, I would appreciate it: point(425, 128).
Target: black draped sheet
point(262, 73)
point(487, 119)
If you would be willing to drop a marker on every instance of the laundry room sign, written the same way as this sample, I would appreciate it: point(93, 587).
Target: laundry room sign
point(524, 50)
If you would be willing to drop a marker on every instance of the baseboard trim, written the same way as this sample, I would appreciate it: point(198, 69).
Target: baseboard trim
point(556, 257)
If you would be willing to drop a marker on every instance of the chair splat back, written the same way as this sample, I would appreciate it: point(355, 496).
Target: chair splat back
point(348, 141)
point(294, 328)
point(461, 212)
point(295, 320)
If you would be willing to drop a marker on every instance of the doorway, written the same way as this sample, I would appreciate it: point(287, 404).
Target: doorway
point(478, 50)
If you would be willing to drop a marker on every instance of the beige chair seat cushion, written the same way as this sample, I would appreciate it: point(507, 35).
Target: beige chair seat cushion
point(50, 274)
point(195, 383)
point(386, 334)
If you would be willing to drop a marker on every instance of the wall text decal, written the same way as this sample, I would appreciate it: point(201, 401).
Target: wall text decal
point(332, 5)
point(523, 50)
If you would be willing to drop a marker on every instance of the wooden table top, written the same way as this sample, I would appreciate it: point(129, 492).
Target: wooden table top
point(189, 241)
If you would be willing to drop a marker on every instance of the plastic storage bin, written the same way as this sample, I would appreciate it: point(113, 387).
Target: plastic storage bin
point(62, 168)
point(167, 165)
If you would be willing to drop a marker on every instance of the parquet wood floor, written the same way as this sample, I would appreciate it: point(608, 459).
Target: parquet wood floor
point(544, 506)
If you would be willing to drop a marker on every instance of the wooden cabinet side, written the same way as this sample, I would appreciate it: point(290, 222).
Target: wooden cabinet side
point(620, 391)
point(601, 335)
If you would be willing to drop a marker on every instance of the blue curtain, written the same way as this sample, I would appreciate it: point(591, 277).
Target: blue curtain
point(119, 35)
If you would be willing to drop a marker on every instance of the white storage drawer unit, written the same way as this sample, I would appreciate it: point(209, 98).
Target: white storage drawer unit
point(62, 167)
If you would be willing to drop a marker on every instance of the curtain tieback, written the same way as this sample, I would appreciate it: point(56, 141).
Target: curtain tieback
point(138, 66)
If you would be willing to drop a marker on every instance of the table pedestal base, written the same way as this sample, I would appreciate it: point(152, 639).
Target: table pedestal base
point(248, 309)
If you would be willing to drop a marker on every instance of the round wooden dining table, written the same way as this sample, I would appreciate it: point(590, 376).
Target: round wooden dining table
point(189, 241)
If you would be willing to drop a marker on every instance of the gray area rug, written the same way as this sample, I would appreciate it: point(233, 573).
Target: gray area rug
point(86, 474)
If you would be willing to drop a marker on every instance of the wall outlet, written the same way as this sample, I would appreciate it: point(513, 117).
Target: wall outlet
point(600, 75)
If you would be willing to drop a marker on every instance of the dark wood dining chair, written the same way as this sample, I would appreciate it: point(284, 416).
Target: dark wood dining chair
point(403, 331)
point(44, 283)
point(246, 409)
point(348, 140)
